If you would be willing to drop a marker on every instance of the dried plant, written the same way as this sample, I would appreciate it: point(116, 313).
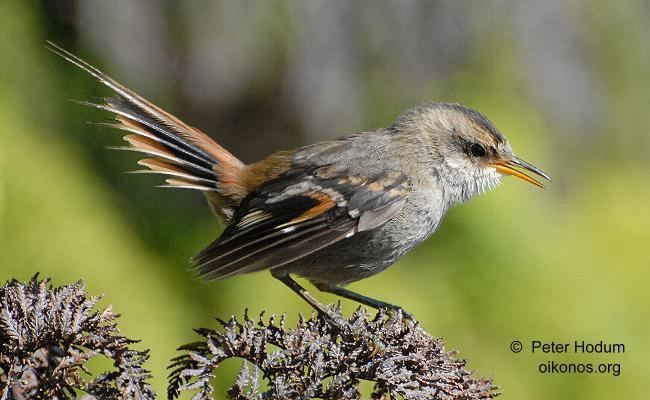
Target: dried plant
point(47, 336)
point(316, 360)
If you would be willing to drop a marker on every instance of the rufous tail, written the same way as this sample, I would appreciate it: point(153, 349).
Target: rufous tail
point(188, 157)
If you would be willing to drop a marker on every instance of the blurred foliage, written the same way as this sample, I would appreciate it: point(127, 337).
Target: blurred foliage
point(567, 83)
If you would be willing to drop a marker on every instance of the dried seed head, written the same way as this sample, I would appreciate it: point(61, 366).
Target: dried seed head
point(47, 335)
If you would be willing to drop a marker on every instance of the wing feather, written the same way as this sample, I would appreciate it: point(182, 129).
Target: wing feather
point(299, 213)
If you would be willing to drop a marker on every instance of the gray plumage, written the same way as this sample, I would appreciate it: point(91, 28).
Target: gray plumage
point(424, 144)
point(333, 212)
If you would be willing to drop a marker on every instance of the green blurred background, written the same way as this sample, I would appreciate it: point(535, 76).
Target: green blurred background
point(566, 81)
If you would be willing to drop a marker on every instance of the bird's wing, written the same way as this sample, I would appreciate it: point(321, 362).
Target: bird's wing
point(303, 210)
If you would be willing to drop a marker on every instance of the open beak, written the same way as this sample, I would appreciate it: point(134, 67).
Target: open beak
point(508, 168)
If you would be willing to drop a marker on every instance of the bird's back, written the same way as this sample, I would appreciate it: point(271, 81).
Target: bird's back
point(370, 252)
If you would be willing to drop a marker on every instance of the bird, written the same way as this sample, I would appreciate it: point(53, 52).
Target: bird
point(333, 212)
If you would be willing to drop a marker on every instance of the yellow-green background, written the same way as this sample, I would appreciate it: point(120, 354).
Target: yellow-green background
point(517, 263)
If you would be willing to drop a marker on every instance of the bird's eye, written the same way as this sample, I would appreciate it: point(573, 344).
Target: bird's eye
point(477, 150)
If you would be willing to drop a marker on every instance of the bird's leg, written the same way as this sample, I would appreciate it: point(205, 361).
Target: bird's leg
point(369, 301)
point(338, 320)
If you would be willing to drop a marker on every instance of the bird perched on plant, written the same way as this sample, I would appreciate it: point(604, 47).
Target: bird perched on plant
point(333, 212)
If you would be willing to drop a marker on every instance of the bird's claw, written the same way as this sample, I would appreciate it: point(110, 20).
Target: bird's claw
point(390, 308)
point(339, 322)
point(346, 329)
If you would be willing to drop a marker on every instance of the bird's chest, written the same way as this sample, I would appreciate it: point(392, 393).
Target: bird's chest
point(419, 218)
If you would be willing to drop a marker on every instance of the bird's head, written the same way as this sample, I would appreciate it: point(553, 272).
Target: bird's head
point(469, 155)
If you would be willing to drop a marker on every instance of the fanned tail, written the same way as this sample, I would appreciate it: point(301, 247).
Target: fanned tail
point(188, 157)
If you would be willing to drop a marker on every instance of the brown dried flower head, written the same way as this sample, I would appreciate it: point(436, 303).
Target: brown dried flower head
point(47, 335)
point(316, 360)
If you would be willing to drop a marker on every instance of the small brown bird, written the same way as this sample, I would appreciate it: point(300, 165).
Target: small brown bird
point(333, 212)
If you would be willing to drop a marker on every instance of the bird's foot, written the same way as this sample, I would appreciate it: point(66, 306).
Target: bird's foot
point(348, 331)
point(393, 309)
point(337, 321)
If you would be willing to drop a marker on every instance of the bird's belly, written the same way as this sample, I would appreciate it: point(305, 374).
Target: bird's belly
point(368, 253)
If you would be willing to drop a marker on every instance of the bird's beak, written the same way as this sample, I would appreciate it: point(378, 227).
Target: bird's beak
point(508, 168)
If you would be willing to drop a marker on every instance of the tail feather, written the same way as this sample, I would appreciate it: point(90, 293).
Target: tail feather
point(189, 156)
point(134, 123)
point(185, 184)
point(156, 166)
point(168, 135)
point(131, 104)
